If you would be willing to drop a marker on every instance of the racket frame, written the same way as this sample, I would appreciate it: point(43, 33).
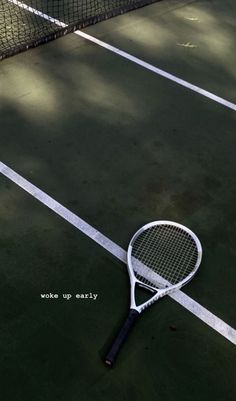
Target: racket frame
point(159, 292)
point(135, 310)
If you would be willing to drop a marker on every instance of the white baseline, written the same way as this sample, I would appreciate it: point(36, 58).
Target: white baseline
point(188, 303)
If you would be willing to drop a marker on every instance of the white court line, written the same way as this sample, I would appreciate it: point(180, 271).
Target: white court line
point(158, 71)
point(188, 303)
point(134, 59)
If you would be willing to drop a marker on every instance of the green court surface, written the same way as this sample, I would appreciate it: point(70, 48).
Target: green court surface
point(119, 146)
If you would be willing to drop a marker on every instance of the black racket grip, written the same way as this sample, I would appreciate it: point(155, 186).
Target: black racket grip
point(112, 354)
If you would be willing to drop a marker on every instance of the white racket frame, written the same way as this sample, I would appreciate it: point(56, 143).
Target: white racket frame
point(159, 292)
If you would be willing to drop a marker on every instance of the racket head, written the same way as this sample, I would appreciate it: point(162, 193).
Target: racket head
point(163, 255)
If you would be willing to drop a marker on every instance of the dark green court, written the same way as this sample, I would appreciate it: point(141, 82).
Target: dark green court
point(119, 146)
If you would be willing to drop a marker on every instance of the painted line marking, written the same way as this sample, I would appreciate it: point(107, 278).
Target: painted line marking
point(134, 59)
point(158, 71)
point(38, 13)
point(188, 303)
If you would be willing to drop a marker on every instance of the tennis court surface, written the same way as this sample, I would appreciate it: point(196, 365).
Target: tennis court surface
point(128, 117)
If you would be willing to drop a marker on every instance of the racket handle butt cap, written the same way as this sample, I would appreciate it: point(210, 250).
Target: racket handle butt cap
point(108, 363)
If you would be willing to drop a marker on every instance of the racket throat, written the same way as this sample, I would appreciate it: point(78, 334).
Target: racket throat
point(142, 296)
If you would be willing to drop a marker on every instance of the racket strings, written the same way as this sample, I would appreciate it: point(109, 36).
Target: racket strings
point(169, 260)
point(166, 250)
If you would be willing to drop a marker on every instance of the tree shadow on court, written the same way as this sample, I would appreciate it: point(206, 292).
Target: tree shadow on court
point(119, 147)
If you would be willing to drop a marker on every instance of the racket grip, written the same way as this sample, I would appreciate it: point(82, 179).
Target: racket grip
point(112, 354)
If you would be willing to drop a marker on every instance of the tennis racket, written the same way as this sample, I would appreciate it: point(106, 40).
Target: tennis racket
point(162, 257)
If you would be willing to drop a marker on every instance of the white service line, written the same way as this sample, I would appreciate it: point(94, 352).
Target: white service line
point(188, 303)
point(129, 57)
point(158, 71)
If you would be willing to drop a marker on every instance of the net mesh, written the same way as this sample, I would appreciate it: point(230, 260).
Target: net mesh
point(28, 23)
point(164, 255)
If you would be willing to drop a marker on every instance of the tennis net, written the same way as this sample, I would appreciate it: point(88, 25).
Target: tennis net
point(28, 23)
